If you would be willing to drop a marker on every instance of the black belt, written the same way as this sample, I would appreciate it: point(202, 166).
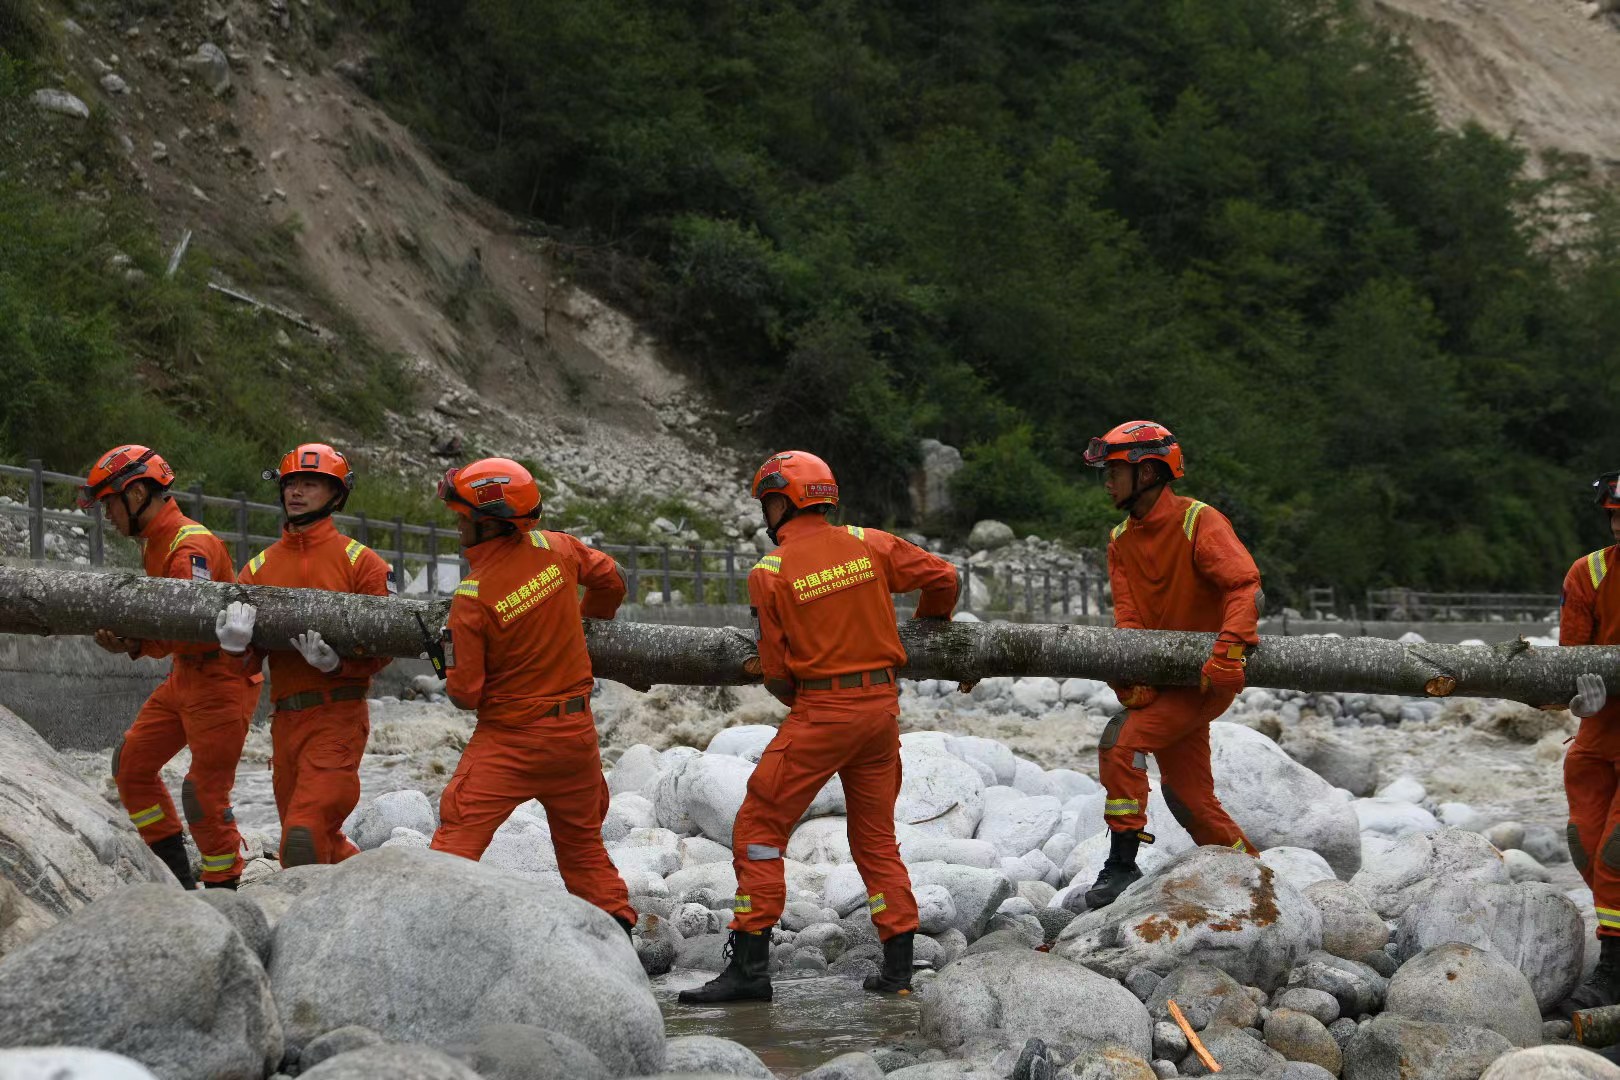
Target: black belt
point(311, 698)
point(565, 708)
point(852, 681)
point(202, 657)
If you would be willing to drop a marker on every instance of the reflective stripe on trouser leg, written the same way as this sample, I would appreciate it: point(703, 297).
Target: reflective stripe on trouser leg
point(1608, 918)
point(876, 905)
point(151, 815)
point(222, 863)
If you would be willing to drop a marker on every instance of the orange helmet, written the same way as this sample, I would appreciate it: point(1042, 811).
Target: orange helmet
point(120, 467)
point(805, 479)
point(317, 458)
point(1608, 490)
point(1137, 440)
point(496, 488)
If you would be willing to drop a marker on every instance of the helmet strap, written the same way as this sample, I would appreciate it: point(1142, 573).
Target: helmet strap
point(1137, 490)
point(136, 518)
point(310, 517)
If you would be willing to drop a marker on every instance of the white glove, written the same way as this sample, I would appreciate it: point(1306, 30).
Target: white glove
point(317, 653)
point(234, 627)
point(1590, 695)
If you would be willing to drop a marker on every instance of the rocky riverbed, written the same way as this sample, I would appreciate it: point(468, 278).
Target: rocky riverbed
point(1414, 905)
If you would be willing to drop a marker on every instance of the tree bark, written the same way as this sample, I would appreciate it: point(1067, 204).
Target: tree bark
point(39, 601)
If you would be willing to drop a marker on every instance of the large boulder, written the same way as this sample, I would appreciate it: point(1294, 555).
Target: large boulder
point(636, 771)
point(61, 844)
point(408, 1061)
point(1205, 995)
point(463, 945)
point(975, 894)
point(1357, 988)
point(988, 535)
point(931, 479)
point(626, 812)
point(940, 794)
point(1300, 867)
point(149, 973)
point(371, 825)
point(1535, 927)
point(1014, 828)
point(1279, 802)
point(1336, 760)
point(1394, 1048)
point(1412, 868)
point(1211, 904)
point(1459, 984)
point(1350, 927)
point(702, 795)
point(821, 840)
point(747, 741)
point(69, 1063)
point(1552, 1063)
point(1021, 995)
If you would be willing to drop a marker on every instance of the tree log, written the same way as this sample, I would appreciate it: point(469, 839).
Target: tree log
point(39, 601)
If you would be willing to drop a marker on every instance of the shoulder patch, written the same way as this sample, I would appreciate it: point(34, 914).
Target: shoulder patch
point(199, 568)
point(1119, 530)
point(185, 533)
point(468, 587)
point(354, 550)
point(1189, 520)
point(256, 562)
point(856, 531)
point(771, 563)
point(1597, 566)
point(538, 539)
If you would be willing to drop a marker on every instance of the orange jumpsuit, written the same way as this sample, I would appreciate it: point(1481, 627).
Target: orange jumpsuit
point(1590, 615)
point(1178, 567)
point(516, 653)
point(206, 703)
point(321, 724)
point(825, 620)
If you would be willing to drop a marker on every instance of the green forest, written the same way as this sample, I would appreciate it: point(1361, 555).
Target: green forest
point(1012, 224)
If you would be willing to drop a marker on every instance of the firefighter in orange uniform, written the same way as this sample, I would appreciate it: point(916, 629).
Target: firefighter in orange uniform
point(320, 725)
point(515, 652)
point(1590, 615)
point(1174, 564)
point(829, 649)
point(207, 701)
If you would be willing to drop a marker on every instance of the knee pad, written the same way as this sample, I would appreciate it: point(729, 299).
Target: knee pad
point(1178, 809)
point(298, 847)
point(1577, 853)
point(190, 805)
point(1611, 849)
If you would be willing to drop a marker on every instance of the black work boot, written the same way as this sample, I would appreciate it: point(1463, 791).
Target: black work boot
point(1119, 872)
point(1603, 986)
point(895, 976)
point(627, 926)
point(172, 850)
point(228, 883)
point(747, 977)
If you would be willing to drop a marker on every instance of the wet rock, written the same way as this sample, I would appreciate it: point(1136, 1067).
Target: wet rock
point(940, 795)
point(1391, 1047)
point(1318, 1003)
point(975, 893)
point(709, 1054)
point(1236, 1050)
point(829, 938)
point(1300, 867)
point(1350, 927)
point(857, 1066)
point(1299, 1036)
point(1025, 995)
point(1142, 982)
point(564, 964)
point(1417, 865)
point(1336, 760)
point(1535, 927)
point(747, 741)
point(702, 953)
point(1356, 987)
point(1393, 818)
point(1552, 1063)
point(524, 1052)
point(374, 823)
point(69, 1063)
point(338, 1041)
point(64, 844)
point(1458, 984)
point(1210, 904)
point(1022, 826)
point(149, 973)
point(407, 1061)
point(1206, 995)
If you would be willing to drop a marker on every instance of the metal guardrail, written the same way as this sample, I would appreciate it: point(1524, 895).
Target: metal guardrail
point(422, 555)
point(1414, 606)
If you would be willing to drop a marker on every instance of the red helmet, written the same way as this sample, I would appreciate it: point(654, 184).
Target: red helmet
point(1608, 490)
point(120, 467)
point(805, 479)
point(317, 458)
point(496, 488)
point(1137, 440)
